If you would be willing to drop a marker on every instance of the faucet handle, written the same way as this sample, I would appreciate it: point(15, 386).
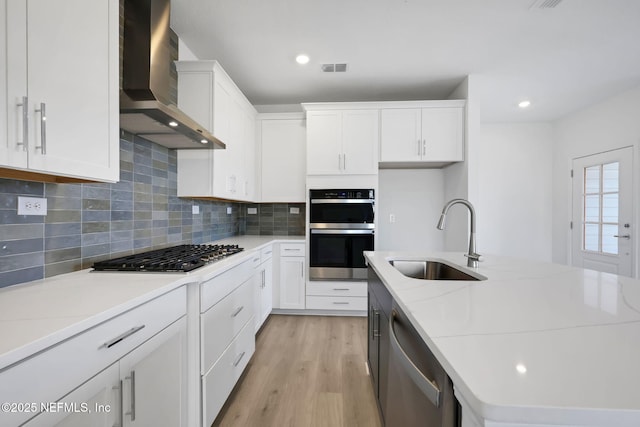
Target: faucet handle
point(473, 259)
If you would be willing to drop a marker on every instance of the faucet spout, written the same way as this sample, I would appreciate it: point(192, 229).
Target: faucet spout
point(472, 256)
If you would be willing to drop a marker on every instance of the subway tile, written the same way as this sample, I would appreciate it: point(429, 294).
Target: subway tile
point(21, 231)
point(63, 216)
point(54, 269)
point(95, 227)
point(59, 255)
point(63, 203)
point(15, 247)
point(21, 261)
point(26, 188)
point(21, 276)
point(62, 229)
point(96, 216)
point(95, 250)
point(63, 242)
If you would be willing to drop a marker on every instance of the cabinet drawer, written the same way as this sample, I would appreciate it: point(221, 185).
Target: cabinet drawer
point(291, 249)
point(218, 382)
point(351, 289)
point(256, 259)
point(223, 322)
point(336, 303)
point(215, 289)
point(266, 253)
point(49, 375)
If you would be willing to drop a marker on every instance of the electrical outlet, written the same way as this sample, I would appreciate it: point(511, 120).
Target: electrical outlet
point(32, 206)
point(195, 209)
point(228, 210)
point(392, 218)
point(294, 211)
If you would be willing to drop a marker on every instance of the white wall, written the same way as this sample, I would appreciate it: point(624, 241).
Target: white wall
point(611, 124)
point(415, 197)
point(515, 190)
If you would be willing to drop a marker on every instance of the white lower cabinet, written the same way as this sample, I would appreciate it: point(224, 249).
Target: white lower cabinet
point(263, 285)
point(127, 371)
point(292, 277)
point(227, 334)
point(324, 295)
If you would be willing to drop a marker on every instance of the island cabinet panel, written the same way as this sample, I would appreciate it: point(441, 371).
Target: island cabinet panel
point(208, 94)
point(135, 342)
point(432, 133)
point(342, 142)
point(60, 90)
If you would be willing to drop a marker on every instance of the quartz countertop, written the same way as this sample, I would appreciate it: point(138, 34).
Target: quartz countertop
point(36, 315)
point(535, 343)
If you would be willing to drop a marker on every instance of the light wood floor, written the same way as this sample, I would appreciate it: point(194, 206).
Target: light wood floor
point(306, 371)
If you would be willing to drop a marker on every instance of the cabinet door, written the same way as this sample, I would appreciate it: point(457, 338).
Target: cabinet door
point(95, 403)
point(283, 160)
point(324, 142)
point(267, 291)
point(292, 289)
point(400, 135)
point(250, 155)
point(154, 380)
point(72, 57)
point(442, 133)
point(360, 142)
point(4, 132)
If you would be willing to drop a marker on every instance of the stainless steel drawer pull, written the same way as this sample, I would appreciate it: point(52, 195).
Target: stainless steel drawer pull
point(235, 313)
point(239, 359)
point(43, 128)
point(292, 249)
point(132, 406)
point(25, 123)
point(428, 387)
point(256, 259)
point(624, 236)
point(119, 338)
point(341, 303)
point(340, 289)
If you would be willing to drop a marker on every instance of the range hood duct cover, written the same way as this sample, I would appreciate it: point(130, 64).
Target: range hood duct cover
point(145, 108)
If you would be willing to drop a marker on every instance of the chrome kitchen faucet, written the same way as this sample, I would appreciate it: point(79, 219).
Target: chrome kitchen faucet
point(472, 257)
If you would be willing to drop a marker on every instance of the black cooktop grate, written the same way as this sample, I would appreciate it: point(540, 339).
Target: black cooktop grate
point(181, 258)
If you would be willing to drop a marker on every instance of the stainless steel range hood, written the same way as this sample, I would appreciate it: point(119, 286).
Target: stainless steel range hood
point(145, 108)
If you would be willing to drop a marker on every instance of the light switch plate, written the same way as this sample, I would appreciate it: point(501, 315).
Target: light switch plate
point(229, 210)
point(294, 211)
point(32, 206)
point(252, 211)
point(195, 209)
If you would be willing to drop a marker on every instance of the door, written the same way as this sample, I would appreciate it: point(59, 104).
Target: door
point(75, 96)
point(602, 223)
point(400, 135)
point(154, 380)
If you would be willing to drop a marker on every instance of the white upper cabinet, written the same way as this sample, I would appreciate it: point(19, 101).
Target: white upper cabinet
point(341, 141)
point(282, 152)
point(206, 93)
point(432, 133)
point(61, 100)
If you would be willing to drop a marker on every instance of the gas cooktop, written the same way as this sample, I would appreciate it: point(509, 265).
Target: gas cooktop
point(181, 258)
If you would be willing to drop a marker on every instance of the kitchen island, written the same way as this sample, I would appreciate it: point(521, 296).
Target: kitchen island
point(535, 344)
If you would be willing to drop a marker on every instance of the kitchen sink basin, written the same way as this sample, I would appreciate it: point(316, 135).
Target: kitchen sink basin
point(432, 270)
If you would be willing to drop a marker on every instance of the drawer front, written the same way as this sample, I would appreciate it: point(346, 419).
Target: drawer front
point(50, 375)
point(336, 303)
point(330, 289)
point(213, 290)
point(291, 249)
point(218, 382)
point(221, 323)
point(255, 259)
point(266, 253)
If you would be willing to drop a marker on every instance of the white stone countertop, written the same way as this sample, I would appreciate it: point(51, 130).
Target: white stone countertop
point(36, 315)
point(535, 343)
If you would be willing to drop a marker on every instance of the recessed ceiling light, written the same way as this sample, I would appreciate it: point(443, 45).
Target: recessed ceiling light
point(173, 124)
point(524, 104)
point(302, 59)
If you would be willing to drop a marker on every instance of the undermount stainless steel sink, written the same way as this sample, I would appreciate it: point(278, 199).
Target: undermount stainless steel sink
point(432, 270)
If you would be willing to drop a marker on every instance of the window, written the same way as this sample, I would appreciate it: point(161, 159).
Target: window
point(600, 208)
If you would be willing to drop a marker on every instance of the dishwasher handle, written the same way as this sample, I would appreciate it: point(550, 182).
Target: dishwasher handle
point(428, 387)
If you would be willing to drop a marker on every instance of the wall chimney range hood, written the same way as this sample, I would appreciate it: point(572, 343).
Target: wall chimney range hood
point(145, 108)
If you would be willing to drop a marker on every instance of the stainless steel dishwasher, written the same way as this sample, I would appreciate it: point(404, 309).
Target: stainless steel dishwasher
point(411, 386)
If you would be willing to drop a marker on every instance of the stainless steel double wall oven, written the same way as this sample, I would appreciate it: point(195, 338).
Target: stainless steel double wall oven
point(341, 227)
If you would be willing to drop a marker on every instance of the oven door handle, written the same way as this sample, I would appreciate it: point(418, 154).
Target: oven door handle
point(342, 201)
point(342, 231)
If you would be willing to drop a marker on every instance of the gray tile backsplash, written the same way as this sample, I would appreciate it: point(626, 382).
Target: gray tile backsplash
point(90, 222)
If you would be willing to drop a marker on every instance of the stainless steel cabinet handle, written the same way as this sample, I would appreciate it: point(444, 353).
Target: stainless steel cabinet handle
point(344, 162)
point(235, 313)
point(264, 278)
point(239, 359)
point(427, 386)
point(25, 123)
point(376, 329)
point(419, 147)
point(424, 147)
point(43, 128)
point(340, 289)
point(341, 303)
point(132, 406)
point(339, 161)
point(119, 338)
point(624, 236)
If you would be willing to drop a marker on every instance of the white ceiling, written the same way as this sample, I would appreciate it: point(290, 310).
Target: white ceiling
point(562, 58)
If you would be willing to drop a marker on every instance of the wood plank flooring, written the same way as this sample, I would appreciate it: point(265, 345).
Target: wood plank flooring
point(307, 371)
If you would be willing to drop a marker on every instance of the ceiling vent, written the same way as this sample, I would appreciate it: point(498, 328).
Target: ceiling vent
point(334, 68)
point(544, 4)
